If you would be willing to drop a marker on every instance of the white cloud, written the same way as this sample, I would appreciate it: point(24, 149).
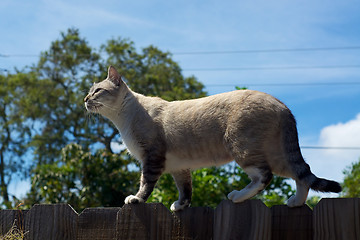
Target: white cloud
point(342, 134)
point(330, 163)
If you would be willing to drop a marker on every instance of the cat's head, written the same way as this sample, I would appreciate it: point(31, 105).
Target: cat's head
point(103, 97)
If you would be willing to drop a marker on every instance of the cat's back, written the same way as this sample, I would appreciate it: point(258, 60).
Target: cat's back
point(217, 112)
point(225, 102)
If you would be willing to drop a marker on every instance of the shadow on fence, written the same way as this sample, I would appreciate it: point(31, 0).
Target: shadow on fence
point(330, 219)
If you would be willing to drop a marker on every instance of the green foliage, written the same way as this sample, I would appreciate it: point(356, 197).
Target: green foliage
point(351, 184)
point(211, 186)
point(313, 201)
point(85, 179)
point(240, 88)
point(151, 72)
point(63, 73)
point(15, 130)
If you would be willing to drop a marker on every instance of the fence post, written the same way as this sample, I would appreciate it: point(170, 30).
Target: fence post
point(248, 220)
point(292, 223)
point(148, 221)
point(194, 223)
point(97, 223)
point(337, 218)
point(51, 222)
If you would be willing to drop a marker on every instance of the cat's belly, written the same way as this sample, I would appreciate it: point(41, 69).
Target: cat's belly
point(179, 161)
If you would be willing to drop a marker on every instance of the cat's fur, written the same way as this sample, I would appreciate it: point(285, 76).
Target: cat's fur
point(253, 128)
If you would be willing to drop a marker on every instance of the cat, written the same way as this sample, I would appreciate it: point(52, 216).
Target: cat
point(253, 128)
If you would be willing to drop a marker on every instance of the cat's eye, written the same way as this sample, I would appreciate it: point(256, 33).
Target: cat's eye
point(97, 90)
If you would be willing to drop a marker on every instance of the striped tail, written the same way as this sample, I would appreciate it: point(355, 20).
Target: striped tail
point(299, 166)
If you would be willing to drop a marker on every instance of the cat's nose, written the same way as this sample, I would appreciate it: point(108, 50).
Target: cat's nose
point(86, 98)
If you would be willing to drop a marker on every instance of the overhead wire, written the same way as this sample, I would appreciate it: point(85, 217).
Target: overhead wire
point(270, 50)
point(330, 148)
point(272, 68)
point(274, 50)
point(250, 68)
point(284, 84)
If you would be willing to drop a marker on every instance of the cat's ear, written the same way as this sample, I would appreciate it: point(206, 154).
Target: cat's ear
point(114, 76)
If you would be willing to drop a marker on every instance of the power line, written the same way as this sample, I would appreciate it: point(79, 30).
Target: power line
point(271, 50)
point(334, 148)
point(263, 68)
point(272, 68)
point(269, 84)
point(284, 84)
point(268, 50)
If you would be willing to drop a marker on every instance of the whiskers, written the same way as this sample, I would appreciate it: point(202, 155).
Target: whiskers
point(91, 117)
point(101, 104)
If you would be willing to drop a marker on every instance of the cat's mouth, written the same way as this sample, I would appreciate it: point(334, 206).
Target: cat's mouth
point(92, 106)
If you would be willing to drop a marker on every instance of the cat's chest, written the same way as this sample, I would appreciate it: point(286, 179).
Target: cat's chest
point(132, 145)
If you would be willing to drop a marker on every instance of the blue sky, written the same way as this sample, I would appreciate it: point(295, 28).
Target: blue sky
point(327, 114)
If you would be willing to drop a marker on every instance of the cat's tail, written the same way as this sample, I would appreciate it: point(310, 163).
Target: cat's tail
point(324, 185)
point(299, 167)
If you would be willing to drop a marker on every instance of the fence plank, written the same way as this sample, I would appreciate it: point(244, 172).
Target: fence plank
point(51, 222)
point(194, 223)
point(97, 223)
point(10, 217)
point(337, 219)
point(148, 221)
point(248, 220)
point(292, 223)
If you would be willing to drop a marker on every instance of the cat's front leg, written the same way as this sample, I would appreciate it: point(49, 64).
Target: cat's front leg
point(149, 177)
point(133, 199)
point(183, 183)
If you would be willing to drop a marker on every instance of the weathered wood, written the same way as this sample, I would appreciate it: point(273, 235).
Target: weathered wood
point(331, 219)
point(152, 221)
point(248, 220)
point(291, 223)
point(97, 223)
point(337, 219)
point(10, 217)
point(194, 223)
point(51, 222)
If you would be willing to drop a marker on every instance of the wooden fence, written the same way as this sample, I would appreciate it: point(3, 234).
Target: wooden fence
point(330, 219)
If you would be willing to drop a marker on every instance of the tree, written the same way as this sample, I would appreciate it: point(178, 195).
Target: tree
point(85, 179)
point(15, 129)
point(64, 72)
point(351, 184)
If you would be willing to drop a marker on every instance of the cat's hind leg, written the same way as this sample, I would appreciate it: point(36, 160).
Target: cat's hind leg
point(183, 183)
point(260, 178)
point(299, 198)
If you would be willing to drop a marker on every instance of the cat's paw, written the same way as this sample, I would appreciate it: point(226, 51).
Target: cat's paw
point(176, 206)
point(236, 196)
point(294, 202)
point(133, 199)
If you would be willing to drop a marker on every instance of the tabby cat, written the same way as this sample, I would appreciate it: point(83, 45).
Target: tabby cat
point(253, 128)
